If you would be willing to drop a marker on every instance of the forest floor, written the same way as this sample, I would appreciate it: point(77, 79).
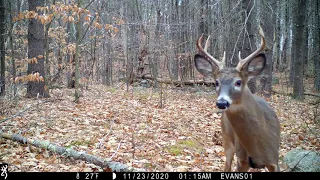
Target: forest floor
point(131, 127)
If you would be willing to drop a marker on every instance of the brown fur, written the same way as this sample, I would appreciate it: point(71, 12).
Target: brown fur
point(256, 128)
point(250, 127)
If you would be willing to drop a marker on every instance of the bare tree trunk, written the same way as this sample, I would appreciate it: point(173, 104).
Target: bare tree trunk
point(127, 64)
point(282, 36)
point(70, 56)
point(76, 59)
point(276, 40)
point(13, 63)
point(299, 50)
point(266, 19)
point(154, 59)
point(203, 17)
point(249, 17)
point(226, 39)
point(291, 44)
point(108, 64)
point(36, 50)
point(47, 41)
point(174, 35)
point(2, 49)
point(285, 49)
point(316, 58)
point(308, 21)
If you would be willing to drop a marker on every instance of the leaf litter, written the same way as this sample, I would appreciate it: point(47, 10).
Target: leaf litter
point(131, 128)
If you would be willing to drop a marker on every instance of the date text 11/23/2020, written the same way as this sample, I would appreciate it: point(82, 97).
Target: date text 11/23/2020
point(214, 175)
point(182, 175)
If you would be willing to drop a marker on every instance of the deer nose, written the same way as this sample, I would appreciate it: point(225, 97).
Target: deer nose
point(222, 104)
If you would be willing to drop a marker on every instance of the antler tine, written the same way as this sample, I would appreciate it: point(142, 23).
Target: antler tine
point(207, 44)
point(204, 51)
point(262, 46)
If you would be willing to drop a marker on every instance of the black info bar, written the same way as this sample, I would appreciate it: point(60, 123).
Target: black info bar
point(155, 175)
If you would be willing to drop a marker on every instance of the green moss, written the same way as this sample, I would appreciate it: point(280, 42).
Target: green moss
point(175, 150)
point(188, 143)
point(178, 148)
point(112, 90)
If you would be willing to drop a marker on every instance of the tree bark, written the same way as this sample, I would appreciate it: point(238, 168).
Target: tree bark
point(291, 43)
point(76, 59)
point(11, 47)
point(173, 62)
point(299, 50)
point(249, 18)
point(276, 38)
point(70, 56)
point(2, 49)
point(36, 50)
point(266, 22)
point(46, 44)
point(316, 58)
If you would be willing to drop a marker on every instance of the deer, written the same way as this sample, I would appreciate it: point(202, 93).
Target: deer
point(250, 127)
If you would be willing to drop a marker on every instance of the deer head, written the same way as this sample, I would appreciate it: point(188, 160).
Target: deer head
point(230, 82)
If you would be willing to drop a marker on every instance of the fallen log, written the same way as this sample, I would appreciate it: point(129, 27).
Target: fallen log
point(290, 94)
point(68, 152)
point(180, 83)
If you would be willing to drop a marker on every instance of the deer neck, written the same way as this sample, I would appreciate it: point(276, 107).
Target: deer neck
point(246, 119)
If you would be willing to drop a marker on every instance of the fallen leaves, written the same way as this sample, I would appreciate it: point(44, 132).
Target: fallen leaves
point(131, 128)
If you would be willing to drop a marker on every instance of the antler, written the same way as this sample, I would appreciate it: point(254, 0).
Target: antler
point(204, 51)
point(262, 46)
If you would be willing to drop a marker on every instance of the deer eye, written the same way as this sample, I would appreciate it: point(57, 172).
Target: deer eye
point(217, 83)
point(238, 83)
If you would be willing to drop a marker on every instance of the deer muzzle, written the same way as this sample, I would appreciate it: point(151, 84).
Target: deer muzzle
point(222, 104)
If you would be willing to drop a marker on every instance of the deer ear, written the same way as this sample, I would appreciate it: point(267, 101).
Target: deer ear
point(205, 67)
point(256, 65)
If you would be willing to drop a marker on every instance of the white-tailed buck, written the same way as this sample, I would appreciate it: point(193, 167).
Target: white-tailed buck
point(250, 127)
